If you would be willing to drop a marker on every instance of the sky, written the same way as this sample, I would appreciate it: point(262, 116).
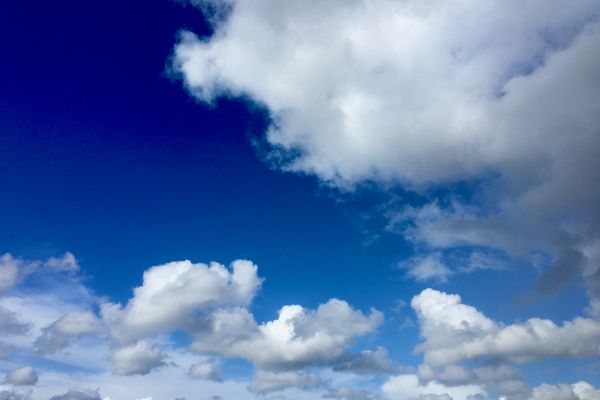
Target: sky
point(300, 199)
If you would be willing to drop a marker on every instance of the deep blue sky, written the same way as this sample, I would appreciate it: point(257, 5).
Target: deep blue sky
point(104, 155)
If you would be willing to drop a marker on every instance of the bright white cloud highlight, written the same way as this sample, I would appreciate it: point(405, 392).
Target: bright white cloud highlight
point(299, 337)
point(172, 292)
point(456, 332)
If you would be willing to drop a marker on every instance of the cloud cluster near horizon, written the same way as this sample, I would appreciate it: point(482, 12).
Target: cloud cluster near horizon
point(304, 353)
point(496, 94)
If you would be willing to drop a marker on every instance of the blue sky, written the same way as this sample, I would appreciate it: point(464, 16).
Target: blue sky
point(349, 165)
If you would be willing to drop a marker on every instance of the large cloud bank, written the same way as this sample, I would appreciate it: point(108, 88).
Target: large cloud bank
point(427, 94)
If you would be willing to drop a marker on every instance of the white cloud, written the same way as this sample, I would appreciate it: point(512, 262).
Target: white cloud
point(9, 272)
point(24, 376)
point(268, 381)
point(407, 387)
point(497, 91)
point(207, 370)
point(171, 293)
point(366, 362)
point(10, 323)
point(13, 270)
point(78, 394)
point(299, 337)
point(502, 378)
point(139, 358)
point(430, 267)
point(577, 391)
point(65, 263)
point(349, 394)
point(422, 108)
point(456, 332)
point(14, 395)
point(60, 333)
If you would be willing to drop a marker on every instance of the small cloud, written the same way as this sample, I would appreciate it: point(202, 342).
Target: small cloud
point(208, 370)
point(25, 376)
point(427, 268)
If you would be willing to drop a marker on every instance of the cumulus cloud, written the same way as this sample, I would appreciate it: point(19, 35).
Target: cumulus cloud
point(139, 358)
point(78, 394)
point(432, 397)
point(577, 391)
point(173, 292)
point(502, 378)
point(430, 267)
point(14, 395)
point(24, 376)
point(420, 109)
point(497, 92)
point(269, 381)
point(207, 370)
point(65, 263)
point(408, 387)
point(14, 269)
point(298, 338)
point(349, 394)
point(455, 332)
point(60, 333)
point(366, 362)
point(10, 323)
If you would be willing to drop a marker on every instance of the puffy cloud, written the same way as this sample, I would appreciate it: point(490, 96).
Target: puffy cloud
point(408, 387)
point(349, 394)
point(454, 96)
point(502, 378)
point(78, 394)
point(269, 381)
point(433, 397)
point(22, 376)
point(207, 370)
point(578, 391)
point(14, 395)
point(11, 269)
point(10, 323)
point(139, 358)
point(366, 362)
point(455, 332)
point(430, 267)
point(173, 292)
point(422, 108)
point(59, 334)
point(299, 337)
point(65, 263)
